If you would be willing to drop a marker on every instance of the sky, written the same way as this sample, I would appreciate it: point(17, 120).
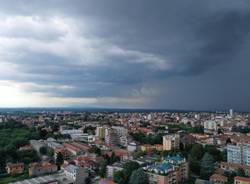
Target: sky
point(181, 54)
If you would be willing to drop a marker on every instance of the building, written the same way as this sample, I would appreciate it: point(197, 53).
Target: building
point(83, 137)
point(116, 135)
point(38, 180)
point(120, 130)
point(51, 143)
point(149, 147)
point(100, 132)
point(72, 149)
point(88, 161)
point(14, 168)
point(171, 142)
point(158, 179)
point(76, 148)
point(234, 154)
point(241, 180)
point(38, 169)
point(239, 154)
point(231, 113)
point(71, 131)
point(132, 146)
point(37, 144)
point(78, 174)
point(232, 167)
point(210, 125)
point(246, 154)
point(111, 137)
point(200, 181)
point(218, 179)
point(78, 135)
point(66, 154)
point(172, 170)
point(111, 169)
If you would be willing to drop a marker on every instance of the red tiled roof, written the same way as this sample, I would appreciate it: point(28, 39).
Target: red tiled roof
point(218, 177)
point(234, 165)
point(240, 178)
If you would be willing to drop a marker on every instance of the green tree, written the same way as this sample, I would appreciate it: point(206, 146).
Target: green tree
point(128, 168)
point(113, 158)
point(212, 150)
point(50, 152)
point(55, 127)
point(43, 150)
point(59, 159)
point(147, 139)
point(95, 149)
point(194, 165)
point(138, 154)
point(118, 176)
point(198, 129)
point(103, 166)
point(27, 156)
point(197, 151)
point(43, 133)
point(207, 166)
point(88, 180)
point(230, 176)
point(240, 172)
point(139, 177)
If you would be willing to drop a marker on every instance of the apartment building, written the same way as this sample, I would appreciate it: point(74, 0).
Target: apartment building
point(171, 142)
point(16, 168)
point(239, 154)
point(78, 174)
point(172, 170)
point(100, 132)
point(38, 169)
point(241, 180)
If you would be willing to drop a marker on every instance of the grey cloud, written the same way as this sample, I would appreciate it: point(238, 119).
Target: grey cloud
point(201, 42)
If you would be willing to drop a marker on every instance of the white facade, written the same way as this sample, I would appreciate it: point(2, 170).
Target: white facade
point(78, 174)
point(111, 136)
point(210, 125)
point(111, 169)
point(246, 154)
point(73, 131)
point(132, 147)
point(171, 141)
point(239, 154)
point(83, 137)
point(234, 154)
point(121, 131)
point(122, 134)
point(231, 112)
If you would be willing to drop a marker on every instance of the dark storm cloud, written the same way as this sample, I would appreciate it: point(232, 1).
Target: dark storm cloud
point(187, 50)
point(222, 37)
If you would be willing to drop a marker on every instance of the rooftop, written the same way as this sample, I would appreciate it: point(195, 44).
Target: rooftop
point(240, 178)
point(218, 177)
point(71, 168)
point(162, 168)
point(166, 166)
point(38, 180)
point(175, 159)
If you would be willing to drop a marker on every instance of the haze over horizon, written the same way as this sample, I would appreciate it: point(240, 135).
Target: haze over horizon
point(132, 54)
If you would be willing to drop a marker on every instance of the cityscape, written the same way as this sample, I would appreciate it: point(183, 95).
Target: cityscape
point(105, 147)
point(124, 92)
